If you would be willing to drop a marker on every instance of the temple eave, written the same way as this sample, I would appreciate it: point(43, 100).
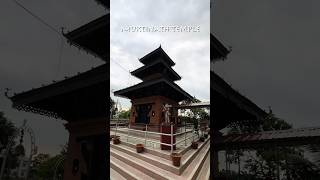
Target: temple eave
point(68, 99)
point(156, 67)
point(217, 50)
point(92, 37)
point(159, 87)
point(105, 3)
point(159, 52)
point(230, 106)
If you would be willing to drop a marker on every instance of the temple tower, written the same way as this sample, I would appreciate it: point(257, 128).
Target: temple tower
point(157, 92)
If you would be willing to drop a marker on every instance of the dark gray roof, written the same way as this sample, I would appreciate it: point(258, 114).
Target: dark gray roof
point(154, 55)
point(157, 66)
point(217, 49)
point(289, 137)
point(157, 87)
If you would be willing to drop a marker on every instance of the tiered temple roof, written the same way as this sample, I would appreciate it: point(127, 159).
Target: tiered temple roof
point(228, 104)
point(78, 97)
point(289, 137)
point(218, 50)
point(158, 79)
point(92, 37)
point(105, 3)
point(156, 63)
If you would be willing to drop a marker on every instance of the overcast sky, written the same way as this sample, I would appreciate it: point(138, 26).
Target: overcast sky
point(30, 57)
point(275, 54)
point(189, 50)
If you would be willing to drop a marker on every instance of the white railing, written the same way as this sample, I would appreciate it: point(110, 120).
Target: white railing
point(172, 135)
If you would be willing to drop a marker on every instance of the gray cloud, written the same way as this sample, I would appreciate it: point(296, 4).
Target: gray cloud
point(29, 57)
point(190, 51)
point(275, 54)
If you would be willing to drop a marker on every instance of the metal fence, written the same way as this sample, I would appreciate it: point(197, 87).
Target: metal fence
point(146, 131)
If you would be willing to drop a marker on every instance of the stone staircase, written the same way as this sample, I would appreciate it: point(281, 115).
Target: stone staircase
point(126, 163)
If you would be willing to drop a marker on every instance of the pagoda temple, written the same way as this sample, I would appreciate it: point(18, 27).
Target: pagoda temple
point(150, 98)
point(156, 90)
point(80, 100)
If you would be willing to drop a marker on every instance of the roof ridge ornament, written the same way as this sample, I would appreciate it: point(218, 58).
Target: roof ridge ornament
point(6, 93)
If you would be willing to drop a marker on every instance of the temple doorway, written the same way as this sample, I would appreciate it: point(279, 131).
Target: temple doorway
point(143, 111)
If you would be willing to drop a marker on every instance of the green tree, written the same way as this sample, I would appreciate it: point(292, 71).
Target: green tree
point(269, 161)
point(7, 131)
point(124, 114)
point(44, 166)
point(194, 115)
point(113, 109)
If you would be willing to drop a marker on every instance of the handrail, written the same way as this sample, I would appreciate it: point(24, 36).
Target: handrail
point(178, 142)
point(149, 132)
point(159, 133)
point(157, 142)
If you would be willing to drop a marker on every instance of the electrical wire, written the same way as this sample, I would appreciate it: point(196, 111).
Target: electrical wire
point(123, 68)
point(36, 17)
point(60, 58)
point(56, 31)
point(41, 20)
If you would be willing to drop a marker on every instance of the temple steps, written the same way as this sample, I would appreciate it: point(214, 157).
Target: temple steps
point(152, 163)
point(159, 153)
point(193, 170)
point(115, 175)
point(204, 173)
point(147, 157)
point(162, 158)
point(125, 171)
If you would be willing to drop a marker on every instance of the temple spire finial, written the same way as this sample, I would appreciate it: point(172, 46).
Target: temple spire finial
point(62, 29)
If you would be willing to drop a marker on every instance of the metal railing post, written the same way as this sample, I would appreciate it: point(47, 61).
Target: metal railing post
point(193, 131)
point(145, 136)
point(128, 132)
point(198, 130)
point(171, 138)
point(185, 134)
point(115, 134)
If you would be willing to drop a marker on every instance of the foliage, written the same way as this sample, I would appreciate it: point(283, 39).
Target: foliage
point(43, 165)
point(19, 150)
point(7, 131)
point(232, 175)
point(194, 115)
point(267, 162)
point(113, 109)
point(124, 114)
